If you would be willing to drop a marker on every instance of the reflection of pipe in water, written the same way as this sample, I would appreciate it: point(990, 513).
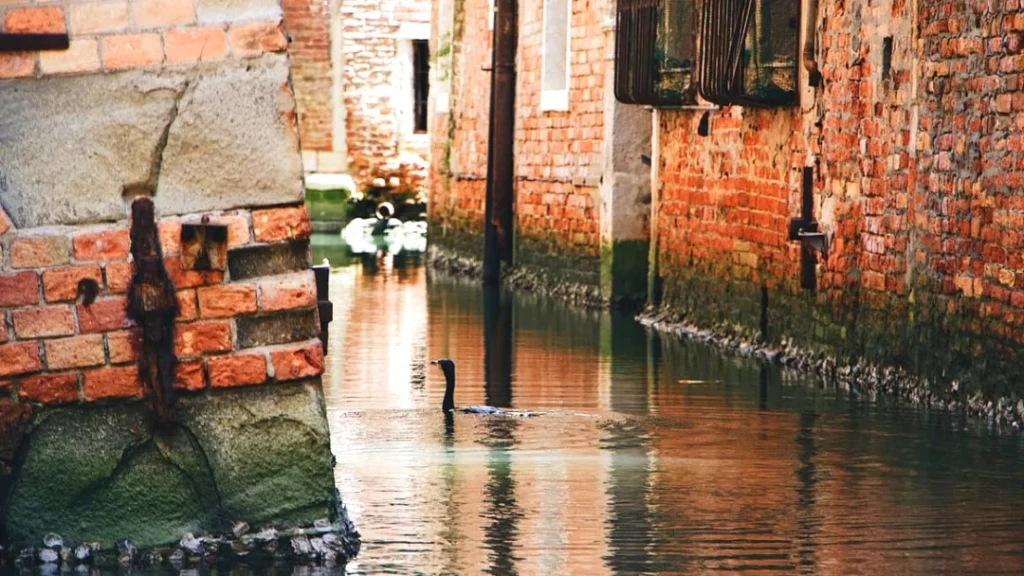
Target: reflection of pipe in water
point(502, 533)
point(807, 499)
point(497, 348)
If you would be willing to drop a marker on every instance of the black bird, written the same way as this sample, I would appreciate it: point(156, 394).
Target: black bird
point(448, 404)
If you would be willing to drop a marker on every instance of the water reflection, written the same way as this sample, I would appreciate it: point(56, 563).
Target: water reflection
point(655, 457)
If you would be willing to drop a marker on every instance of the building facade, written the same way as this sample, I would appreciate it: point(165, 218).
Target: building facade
point(361, 73)
point(838, 175)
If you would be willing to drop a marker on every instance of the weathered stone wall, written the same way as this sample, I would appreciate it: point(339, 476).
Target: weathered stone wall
point(915, 169)
point(459, 127)
point(190, 104)
point(371, 31)
point(308, 24)
point(558, 162)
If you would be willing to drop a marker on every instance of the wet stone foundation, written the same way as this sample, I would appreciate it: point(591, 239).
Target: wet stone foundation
point(241, 476)
point(871, 380)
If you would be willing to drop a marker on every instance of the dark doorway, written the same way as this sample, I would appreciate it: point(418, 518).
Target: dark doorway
point(420, 84)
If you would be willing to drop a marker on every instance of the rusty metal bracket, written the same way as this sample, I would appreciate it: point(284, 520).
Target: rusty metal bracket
point(204, 246)
point(33, 42)
point(324, 306)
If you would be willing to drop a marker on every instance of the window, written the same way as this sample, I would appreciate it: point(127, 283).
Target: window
point(420, 84)
point(554, 93)
point(749, 52)
point(655, 52)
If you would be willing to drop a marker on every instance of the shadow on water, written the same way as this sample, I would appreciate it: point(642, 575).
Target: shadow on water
point(652, 455)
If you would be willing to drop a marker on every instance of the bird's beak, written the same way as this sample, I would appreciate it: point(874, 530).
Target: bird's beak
point(433, 362)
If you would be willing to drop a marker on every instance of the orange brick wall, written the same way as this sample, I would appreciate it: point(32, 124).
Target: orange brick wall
point(307, 23)
point(459, 138)
point(56, 349)
point(118, 35)
point(916, 181)
point(557, 154)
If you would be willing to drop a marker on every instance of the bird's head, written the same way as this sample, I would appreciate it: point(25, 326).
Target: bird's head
point(446, 365)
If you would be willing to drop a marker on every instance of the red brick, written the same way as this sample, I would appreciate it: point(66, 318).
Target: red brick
point(122, 346)
point(227, 300)
point(39, 251)
point(190, 278)
point(279, 224)
point(76, 352)
point(99, 17)
point(255, 39)
point(170, 236)
point(132, 51)
point(81, 56)
point(15, 65)
point(20, 289)
point(49, 20)
point(237, 370)
point(112, 382)
point(43, 322)
point(190, 376)
point(19, 358)
point(238, 229)
point(188, 307)
point(287, 292)
point(202, 338)
point(194, 45)
point(101, 246)
point(159, 13)
point(119, 276)
point(50, 388)
point(61, 284)
point(295, 363)
point(104, 315)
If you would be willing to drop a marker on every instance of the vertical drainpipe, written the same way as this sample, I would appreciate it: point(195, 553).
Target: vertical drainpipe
point(653, 273)
point(500, 142)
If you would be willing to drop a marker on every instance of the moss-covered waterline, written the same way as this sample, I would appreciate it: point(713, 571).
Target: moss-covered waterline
point(238, 463)
point(919, 354)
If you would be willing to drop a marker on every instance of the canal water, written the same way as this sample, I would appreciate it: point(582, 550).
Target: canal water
point(651, 455)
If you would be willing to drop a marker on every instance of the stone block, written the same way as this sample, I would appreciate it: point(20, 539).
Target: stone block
point(229, 11)
point(216, 136)
point(309, 157)
point(277, 328)
point(161, 13)
point(256, 261)
point(257, 454)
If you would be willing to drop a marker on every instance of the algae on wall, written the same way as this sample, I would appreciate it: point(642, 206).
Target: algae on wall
point(258, 455)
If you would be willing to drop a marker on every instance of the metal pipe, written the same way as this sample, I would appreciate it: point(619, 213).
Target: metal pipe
point(501, 140)
point(810, 37)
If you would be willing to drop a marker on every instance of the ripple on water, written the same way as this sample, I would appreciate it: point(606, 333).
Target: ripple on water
point(653, 456)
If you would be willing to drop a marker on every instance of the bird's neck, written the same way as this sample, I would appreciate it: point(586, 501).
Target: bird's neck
point(449, 393)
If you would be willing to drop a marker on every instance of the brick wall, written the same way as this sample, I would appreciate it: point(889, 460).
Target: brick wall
point(55, 347)
point(308, 24)
point(111, 36)
point(370, 30)
point(557, 153)
point(916, 184)
point(459, 137)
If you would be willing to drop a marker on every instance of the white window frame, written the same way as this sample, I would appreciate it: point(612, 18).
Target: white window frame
point(556, 100)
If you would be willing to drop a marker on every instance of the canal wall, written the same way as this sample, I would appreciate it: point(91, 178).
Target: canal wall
point(905, 154)
point(159, 377)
